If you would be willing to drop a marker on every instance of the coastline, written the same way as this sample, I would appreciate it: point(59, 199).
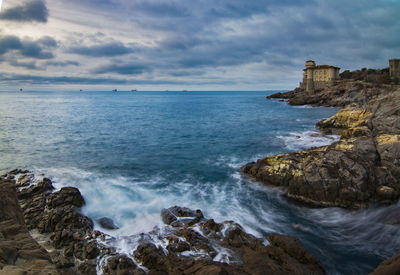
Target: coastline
point(353, 172)
point(358, 170)
point(40, 237)
point(187, 244)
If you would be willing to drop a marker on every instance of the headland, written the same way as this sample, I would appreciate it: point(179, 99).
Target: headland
point(360, 169)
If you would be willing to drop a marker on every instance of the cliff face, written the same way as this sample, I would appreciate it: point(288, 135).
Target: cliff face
point(361, 168)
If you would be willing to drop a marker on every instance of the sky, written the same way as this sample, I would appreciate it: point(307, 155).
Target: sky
point(192, 45)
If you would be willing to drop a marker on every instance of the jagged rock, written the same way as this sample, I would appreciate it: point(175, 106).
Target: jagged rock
point(178, 216)
point(361, 168)
point(152, 257)
point(67, 196)
point(19, 252)
point(42, 187)
point(121, 265)
point(242, 253)
point(107, 223)
point(191, 245)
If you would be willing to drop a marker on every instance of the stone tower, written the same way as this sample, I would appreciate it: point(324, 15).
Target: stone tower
point(394, 69)
point(309, 75)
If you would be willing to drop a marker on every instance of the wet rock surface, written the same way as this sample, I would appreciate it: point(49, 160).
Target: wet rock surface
point(188, 243)
point(361, 168)
point(107, 223)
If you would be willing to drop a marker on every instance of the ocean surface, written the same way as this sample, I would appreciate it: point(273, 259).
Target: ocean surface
point(133, 153)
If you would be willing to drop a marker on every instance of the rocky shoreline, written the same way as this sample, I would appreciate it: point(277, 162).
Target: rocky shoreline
point(43, 231)
point(360, 169)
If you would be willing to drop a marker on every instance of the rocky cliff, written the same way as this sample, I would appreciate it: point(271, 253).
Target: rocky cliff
point(42, 231)
point(362, 167)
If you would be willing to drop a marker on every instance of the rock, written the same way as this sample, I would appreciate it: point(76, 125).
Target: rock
point(178, 216)
point(91, 250)
point(386, 193)
point(67, 196)
point(24, 180)
point(44, 186)
point(107, 223)
point(388, 267)
point(152, 257)
point(190, 244)
point(362, 168)
point(121, 264)
point(19, 252)
point(245, 253)
point(210, 226)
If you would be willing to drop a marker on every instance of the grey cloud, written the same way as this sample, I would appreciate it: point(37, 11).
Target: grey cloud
point(62, 63)
point(28, 65)
point(190, 38)
point(64, 80)
point(39, 49)
point(9, 42)
point(124, 69)
point(102, 50)
point(32, 11)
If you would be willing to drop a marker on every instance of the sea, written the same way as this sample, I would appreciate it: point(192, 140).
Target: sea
point(133, 153)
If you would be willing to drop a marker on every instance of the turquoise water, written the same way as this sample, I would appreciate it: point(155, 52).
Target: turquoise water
point(133, 153)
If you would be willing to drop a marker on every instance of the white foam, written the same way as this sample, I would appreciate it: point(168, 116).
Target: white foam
point(307, 139)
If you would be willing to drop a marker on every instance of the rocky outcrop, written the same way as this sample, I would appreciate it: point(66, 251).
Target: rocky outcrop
point(19, 252)
point(187, 244)
point(201, 246)
point(342, 94)
point(362, 167)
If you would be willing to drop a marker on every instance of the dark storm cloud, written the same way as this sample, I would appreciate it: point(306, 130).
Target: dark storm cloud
point(31, 11)
point(38, 49)
point(102, 50)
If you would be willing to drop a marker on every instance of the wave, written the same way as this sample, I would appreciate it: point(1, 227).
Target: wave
point(306, 139)
point(135, 204)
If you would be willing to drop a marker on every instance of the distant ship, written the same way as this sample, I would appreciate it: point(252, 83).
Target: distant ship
point(115, 90)
point(21, 90)
point(134, 90)
point(80, 90)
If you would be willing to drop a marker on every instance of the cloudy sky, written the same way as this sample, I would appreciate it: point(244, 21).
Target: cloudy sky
point(194, 45)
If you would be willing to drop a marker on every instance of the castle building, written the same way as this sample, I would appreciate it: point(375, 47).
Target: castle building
point(318, 77)
point(394, 68)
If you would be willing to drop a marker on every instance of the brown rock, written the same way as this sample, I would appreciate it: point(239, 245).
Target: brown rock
point(19, 252)
point(388, 267)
